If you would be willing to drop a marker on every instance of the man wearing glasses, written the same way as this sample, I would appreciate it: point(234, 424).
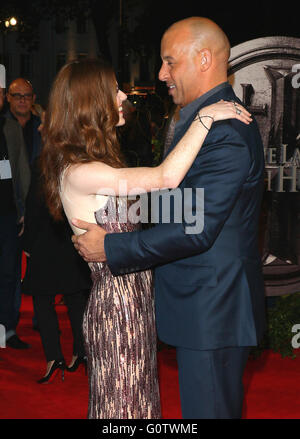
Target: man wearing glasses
point(21, 98)
point(14, 185)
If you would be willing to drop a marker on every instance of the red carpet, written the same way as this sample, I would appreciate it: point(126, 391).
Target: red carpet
point(272, 383)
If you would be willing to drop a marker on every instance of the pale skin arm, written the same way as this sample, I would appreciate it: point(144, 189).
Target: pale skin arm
point(90, 245)
point(101, 179)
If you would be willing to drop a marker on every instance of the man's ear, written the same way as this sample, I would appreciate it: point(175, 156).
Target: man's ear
point(205, 59)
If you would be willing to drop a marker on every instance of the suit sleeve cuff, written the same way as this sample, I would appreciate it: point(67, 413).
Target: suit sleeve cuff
point(122, 253)
point(110, 254)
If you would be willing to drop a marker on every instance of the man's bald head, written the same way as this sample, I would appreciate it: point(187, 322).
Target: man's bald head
point(195, 53)
point(20, 82)
point(203, 33)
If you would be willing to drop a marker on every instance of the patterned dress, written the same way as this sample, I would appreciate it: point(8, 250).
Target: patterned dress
point(120, 336)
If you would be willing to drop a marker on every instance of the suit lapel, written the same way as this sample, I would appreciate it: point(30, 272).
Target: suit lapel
point(225, 93)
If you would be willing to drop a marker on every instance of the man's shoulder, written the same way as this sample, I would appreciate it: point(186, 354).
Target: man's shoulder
point(8, 115)
point(10, 123)
point(12, 132)
point(235, 133)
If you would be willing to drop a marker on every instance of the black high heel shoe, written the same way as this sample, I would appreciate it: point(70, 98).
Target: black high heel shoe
point(56, 366)
point(77, 363)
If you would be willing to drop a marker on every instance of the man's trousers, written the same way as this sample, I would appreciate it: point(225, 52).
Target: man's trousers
point(210, 382)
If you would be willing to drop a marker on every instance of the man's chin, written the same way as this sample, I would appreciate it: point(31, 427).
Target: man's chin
point(22, 113)
point(175, 99)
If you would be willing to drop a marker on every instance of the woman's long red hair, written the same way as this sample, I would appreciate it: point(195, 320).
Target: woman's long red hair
point(80, 123)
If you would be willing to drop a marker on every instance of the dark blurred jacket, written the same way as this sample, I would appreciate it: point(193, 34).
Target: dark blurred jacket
point(54, 266)
point(31, 135)
point(20, 169)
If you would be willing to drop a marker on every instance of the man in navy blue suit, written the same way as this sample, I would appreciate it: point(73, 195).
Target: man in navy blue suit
point(208, 285)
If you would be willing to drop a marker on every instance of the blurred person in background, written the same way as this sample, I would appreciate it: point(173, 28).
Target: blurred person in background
point(21, 101)
point(14, 184)
point(21, 98)
point(47, 245)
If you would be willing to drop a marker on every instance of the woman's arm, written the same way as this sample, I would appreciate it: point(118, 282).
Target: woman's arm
point(101, 179)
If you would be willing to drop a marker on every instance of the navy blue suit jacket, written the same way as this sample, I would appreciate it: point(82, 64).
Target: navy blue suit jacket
point(209, 288)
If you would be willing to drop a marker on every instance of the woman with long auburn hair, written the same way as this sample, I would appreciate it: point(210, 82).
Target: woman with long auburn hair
point(85, 175)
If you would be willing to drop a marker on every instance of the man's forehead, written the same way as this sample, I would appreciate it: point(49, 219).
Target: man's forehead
point(175, 41)
point(21, 85)
point(173, 51)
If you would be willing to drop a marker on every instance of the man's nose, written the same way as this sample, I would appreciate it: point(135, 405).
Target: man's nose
point(163, 73)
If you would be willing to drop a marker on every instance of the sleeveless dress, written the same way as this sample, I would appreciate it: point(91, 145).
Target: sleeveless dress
point(120, 335)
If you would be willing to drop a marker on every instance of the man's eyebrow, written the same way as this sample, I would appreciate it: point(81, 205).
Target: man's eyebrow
point(168, 58)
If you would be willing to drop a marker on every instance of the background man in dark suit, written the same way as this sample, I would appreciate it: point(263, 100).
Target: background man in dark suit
point(208, 285)
point(21, 98)
point(14, 184)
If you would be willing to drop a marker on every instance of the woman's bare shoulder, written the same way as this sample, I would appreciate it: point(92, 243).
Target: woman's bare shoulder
point(88, 177)
point(85, 170)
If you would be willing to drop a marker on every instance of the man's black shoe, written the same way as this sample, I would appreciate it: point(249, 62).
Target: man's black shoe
point(15, 343)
